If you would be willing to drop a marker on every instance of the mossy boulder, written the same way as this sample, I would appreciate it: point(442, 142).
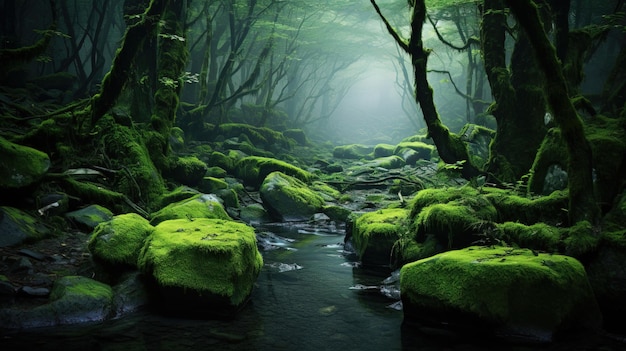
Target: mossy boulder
point(17, 227)
point(73, 300)
point(201, 266)
point(296, 134)
point(288, 198)
point(383, 150)
point(412, 151)
point(212, 184)
point(253, 170)
point(551, 209)
point(87, 218)
point(21, 165)
point(116, 243)
point(388, 162)
point(254, 214)
point(374, 234)
point(187, 170)
point(197, 206)
point(452, 215)
point(218, 159)
point(499, 291)
point(353, 151)
point(538, 236)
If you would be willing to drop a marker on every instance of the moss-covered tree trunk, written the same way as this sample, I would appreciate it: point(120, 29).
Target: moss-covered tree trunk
point(449, 145)
point(582, 205)
point(519, 106)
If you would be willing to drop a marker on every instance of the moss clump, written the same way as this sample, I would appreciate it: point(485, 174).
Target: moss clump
point(538, 236)
point(328, 192)
point(432, 196)
point(580, 239)
point(389, 162)
point(118, 241)
point(296, 134)
point(259, 136)
point(423, 150)
point(375, 233)
point(218, 159)
point(548, 209)
point(550, 153)
point(188, 170)
point(21, 165)
point(514, 289)
point(353, 151)
point(253, 170)
point(17, 227)
point(203, 256)
point(212, 184)
point(198, 206)
point(383, 150)
point(288, 198)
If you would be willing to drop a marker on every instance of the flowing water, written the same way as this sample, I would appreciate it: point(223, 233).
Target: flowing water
point(310, 295)
point(305, 299)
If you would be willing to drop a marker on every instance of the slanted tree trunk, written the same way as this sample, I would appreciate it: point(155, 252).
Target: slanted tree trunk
point(582, 203)
point(449, 145)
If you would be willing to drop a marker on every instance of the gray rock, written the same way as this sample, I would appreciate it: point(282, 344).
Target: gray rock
point(21, 165)
point(34, 292)
point(17, 226)
point(89, 217)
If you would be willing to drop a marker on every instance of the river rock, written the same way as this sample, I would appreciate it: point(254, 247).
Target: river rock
point(289, 199)
point(203, 266)
point(117, 242)
point(89, 217)
point(73, 300)
point(197, 206)
point(17, 227)
point(21, 165)
point(517, 294)
point(375, 233)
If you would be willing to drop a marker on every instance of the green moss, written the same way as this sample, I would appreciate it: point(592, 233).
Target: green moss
point(580, 239)
point(218, 159)
point(198, 206)
point(501, 285)
point(538, 236)
point(383, 150)
point(80, 287)
point(188, 170)
point(207, 255)
point(329, 193)
point(389, 162)
point(288, 198)
point(18, 226)
point(21, 165)
point(551, 152)
point(253, 170)
point(336, 213)
point(432, 196)
point(178, 194)
point(455, 224)
point(353, 151)
point(424, 151)
point(118, 241)
point(259, 136)
point(212, 184)
point(548, 209)
point(375, 233)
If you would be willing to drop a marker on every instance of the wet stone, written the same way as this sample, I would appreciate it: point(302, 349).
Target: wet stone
point(32, 254)
point(33, 292)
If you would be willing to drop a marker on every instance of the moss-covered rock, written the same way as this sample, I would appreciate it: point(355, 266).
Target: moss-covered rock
point(218, 159)
point(89, 217)
point(374, 234)
point(21, 165)
point(204, 266)
point(336, 213)
point(288, 198)
point(212, 184)
point(17, 227)
point(254, 214)
point(116, 243)
point(550, 209)
point(421, 151)
point(353, 151)
point(73, 300)
point(259, 136)
point(383, 150)
point(197, 206)
point(253, 170)
point(452, 215)
point(500, 291)
point(296, 134)
point(187, 170)
point(538, 236)
point(389, 162)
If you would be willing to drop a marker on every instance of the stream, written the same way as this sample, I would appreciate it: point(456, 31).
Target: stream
point(310, 295)
point(306, 298)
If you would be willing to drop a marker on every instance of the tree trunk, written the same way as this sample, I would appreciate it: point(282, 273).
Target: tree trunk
point(582, 204)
